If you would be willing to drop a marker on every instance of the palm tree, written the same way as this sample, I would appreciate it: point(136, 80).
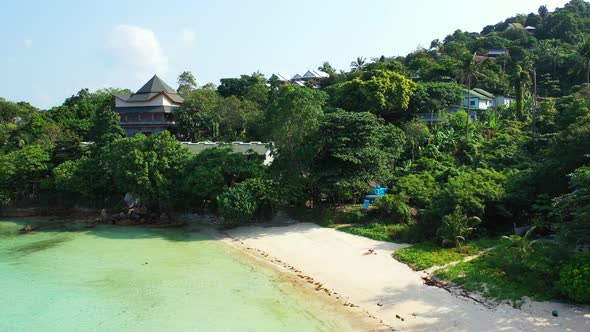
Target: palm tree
point(584, 52)
point(524, 244)
point(468, 72)
point(551, 51)
point(358, 64)
point(455, 227)
point(521, 81)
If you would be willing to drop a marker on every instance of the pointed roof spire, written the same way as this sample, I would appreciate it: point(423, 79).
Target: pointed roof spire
point(155, 85)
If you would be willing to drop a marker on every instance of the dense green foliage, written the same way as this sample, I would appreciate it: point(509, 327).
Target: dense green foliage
point(574, 278)
point(455, 228)
point(376, 91)
point(353, 149)
point(393, 209)
point(247, 199)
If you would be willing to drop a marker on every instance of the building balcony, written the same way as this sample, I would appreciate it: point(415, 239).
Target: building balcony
point(147, 123)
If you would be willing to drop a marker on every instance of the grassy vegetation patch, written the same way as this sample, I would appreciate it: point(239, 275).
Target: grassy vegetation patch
point(424, 255)
point(378, 231)
point(504, 275)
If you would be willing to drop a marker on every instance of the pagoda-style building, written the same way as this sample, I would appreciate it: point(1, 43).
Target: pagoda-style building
point(150, 110)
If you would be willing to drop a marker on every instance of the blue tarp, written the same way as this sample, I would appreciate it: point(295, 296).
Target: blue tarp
point(374, 193)
point(378, 191)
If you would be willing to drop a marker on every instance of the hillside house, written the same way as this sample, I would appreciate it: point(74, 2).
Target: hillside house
point(519, 26)
point(515, 26)
point(490, 100)
point(503, 101)
point(150, 110)
point(311, 77)
point(494, 52)
point(477, 100)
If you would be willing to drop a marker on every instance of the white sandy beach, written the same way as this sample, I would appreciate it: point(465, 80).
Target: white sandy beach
point(386, 288)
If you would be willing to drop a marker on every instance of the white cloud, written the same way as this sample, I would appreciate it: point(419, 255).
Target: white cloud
point(138, 51)
point(28, 43)
point(187, 37)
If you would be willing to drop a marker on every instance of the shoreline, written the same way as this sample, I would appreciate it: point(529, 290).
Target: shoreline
point(324, 309)
point(376, 292)
point(386, 290)
point(305, 284)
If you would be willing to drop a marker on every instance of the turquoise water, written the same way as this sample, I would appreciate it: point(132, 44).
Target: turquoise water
point(75, 277)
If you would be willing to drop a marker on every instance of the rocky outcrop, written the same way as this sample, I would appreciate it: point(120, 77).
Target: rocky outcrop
point(139, 215)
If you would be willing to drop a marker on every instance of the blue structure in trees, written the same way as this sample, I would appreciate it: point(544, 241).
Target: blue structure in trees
point(374, 193)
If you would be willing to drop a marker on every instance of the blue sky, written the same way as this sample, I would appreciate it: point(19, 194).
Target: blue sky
point(51, 49)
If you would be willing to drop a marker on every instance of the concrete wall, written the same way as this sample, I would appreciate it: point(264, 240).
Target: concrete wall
point(503, 101)
point(258, 148)
point(478, 103)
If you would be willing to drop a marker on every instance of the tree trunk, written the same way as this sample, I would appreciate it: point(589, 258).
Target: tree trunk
point(588, 71)
point(468, 107)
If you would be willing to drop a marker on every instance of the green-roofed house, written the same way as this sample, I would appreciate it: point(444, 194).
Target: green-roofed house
point(150, 110)
point(475, 100)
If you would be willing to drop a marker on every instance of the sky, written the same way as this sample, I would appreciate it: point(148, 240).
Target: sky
point(49, 50)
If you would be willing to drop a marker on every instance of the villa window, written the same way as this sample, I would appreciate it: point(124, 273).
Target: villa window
point(472, 103)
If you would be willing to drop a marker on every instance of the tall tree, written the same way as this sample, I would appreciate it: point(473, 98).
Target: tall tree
point(521, 81)
point(186, 83)
point(105, 126)
point(291, 120)
point(376, 91)
point(543, 12)
point(416, 133)
point(197, 117)
point(358, 64)
point(584, 52)
point(469, 71)
point(350, 154)
point(249, 87)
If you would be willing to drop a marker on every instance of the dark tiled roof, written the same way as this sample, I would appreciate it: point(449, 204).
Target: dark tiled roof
point(155, 84)
point(154, 87)
point(122, 96)
point(142, 96)
point(176, 98)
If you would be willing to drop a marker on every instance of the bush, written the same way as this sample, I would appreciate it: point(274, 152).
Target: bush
point(236, 204)
point(420, 188)
point(456, 227)
point(471, 189)
point(574, 278)
point(394, 209)
point(326, 219)
point(379, 232)
point(350, 214)
point(243, 201)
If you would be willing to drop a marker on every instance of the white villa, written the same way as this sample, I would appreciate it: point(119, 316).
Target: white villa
point(475, 100)
point(482, 100)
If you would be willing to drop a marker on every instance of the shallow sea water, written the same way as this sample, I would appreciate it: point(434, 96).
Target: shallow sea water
point(69, 276)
